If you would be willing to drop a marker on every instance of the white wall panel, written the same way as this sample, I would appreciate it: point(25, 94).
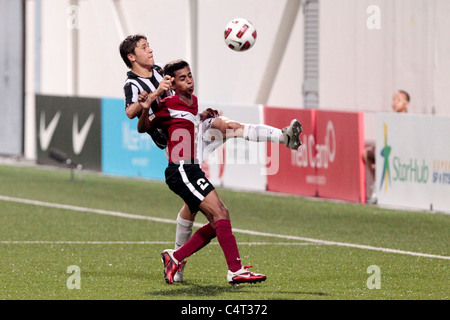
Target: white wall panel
point(361, 68)
point(11, 78)
point(413, 169)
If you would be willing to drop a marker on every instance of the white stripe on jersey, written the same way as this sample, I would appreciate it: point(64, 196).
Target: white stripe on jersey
point(137, 88)
point(180, 114)
point(205, 144)
point(157, 75)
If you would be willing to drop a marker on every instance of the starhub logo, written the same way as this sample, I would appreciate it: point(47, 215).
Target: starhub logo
point(405, 170)
point(385, 153)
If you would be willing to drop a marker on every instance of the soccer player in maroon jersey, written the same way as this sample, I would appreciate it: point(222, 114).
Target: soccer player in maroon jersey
point(178, 117)
point(138, 56)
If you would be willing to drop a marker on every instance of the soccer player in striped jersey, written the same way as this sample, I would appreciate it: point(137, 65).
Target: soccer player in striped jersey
point(144, 77)
point(146, 80)
point(178, 117)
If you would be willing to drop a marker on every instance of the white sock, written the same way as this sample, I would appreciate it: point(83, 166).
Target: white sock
point(262, 132)
point(184, 231)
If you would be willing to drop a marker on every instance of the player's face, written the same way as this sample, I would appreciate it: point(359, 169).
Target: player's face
point(399, 102)
point(143, 54)
point(183, 81)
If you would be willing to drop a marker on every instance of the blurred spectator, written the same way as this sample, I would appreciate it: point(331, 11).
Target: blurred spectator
point(400, 104)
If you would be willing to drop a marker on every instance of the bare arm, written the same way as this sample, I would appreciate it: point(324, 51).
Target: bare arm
point(144, 101)
point(144, 122)
point(133, 110)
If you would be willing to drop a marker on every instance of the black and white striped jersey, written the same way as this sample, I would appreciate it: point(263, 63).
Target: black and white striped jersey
point(135, 84)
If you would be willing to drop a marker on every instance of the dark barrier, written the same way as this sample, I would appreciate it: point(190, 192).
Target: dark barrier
point(70, 125)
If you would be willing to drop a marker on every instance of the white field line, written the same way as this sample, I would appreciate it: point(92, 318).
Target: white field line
point(250, 232)
point(147, 242)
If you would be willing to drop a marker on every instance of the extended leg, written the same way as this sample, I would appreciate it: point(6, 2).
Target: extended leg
point(288, 136)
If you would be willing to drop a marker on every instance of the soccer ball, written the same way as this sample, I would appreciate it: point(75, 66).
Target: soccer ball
point(240, 34)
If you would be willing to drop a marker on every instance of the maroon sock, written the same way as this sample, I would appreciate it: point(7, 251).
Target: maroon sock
point(198, 240)
point(228, 244)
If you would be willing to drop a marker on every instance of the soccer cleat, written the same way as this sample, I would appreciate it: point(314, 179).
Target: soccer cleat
point(244, 276)
point(292, 133)
point(178, 277)
point(170, 265)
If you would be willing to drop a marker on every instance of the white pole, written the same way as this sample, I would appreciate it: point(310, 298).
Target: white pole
point(73, 12)
point(192, 37)
point(279, 47)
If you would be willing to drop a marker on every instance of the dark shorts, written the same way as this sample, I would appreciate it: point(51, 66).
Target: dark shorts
point(189, 182)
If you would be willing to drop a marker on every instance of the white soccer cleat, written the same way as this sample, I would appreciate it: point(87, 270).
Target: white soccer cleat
point(244, 276)
point(291, 134)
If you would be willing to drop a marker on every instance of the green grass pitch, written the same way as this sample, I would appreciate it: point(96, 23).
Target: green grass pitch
point(284, 237)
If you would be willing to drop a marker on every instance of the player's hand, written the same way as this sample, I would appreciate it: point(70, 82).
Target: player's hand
point(213, 112)
point(208, 113)
point(144, 100)
point(164, 85)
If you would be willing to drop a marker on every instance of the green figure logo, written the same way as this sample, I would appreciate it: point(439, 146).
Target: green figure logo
point(385, 152)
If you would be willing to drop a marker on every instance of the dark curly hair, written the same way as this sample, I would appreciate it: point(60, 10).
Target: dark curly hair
point(175, 65)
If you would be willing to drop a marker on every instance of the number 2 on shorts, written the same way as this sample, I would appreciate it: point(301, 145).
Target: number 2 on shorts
point(202, 183)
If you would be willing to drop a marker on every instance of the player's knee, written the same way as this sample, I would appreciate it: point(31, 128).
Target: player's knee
point(234, 126)
point(222, 213)
point(219, 124)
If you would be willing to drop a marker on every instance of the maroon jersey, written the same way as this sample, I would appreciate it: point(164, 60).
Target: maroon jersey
point(178, 121)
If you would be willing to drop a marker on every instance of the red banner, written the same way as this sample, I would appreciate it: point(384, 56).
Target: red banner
point(293, 166)
point(329, 162)
point(339, 146)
